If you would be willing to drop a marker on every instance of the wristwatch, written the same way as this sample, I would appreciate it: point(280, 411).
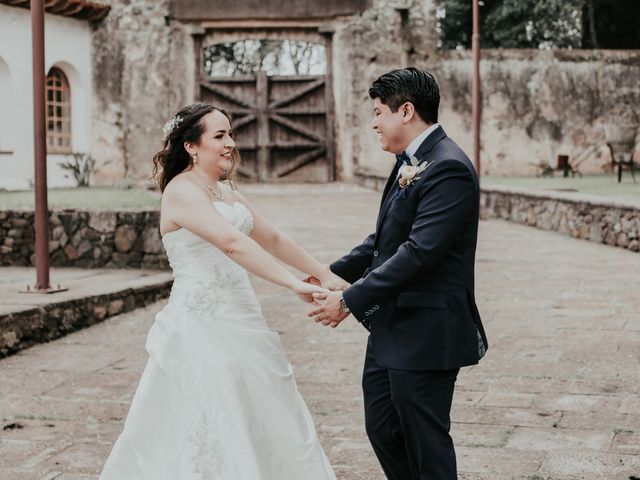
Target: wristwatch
point(343, 306)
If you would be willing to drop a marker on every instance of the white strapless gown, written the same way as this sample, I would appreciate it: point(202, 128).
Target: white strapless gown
point(217, 399)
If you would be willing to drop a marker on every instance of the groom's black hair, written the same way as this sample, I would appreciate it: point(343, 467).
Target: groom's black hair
point(408, 85)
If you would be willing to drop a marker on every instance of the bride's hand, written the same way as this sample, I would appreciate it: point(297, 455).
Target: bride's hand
point(306, 290)
point(331, 281)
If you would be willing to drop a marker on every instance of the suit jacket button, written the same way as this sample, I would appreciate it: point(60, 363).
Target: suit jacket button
point(375, 253)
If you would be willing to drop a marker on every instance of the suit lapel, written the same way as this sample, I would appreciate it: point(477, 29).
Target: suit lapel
point(387, 203)
point(389, 184)
point(426, 146)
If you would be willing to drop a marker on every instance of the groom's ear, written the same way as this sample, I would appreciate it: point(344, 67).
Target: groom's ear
point(408, 111)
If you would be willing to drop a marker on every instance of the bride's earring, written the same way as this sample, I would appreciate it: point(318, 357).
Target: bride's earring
point(194, 158)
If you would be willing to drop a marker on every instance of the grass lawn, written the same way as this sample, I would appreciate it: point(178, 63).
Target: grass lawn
point(596, 185)
point(117, 198)
point(102, 198)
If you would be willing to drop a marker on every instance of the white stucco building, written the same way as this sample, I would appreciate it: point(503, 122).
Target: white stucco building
point(68, 65)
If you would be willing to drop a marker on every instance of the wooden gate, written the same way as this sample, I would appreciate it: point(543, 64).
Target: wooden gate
point(284, 125)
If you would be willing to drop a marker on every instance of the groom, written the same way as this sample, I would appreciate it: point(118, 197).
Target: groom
point(413, 283)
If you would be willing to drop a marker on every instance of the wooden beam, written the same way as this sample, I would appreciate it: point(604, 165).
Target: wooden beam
point(262, 89)
point(301, 111)
point(297, 94)
point(299, 162)
point(295, 78)
point(295, 127)
point(250, 174)
point(224, 94)
point(234, 79)
point(279, 145)
point(329, 109)
point(241, 122)
point(81, 9)
point(253, 24)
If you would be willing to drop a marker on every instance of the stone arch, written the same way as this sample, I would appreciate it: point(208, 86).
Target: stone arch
point(6, 99)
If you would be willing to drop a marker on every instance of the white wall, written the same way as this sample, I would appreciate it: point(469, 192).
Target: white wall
point(6, 107)
point(68, 47)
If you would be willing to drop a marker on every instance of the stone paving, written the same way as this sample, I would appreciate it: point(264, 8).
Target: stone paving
point(556, 397)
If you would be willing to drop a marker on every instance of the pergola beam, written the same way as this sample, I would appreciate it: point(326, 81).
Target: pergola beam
point(81, 9)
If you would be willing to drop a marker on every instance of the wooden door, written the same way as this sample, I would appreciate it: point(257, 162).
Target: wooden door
point(284, 128)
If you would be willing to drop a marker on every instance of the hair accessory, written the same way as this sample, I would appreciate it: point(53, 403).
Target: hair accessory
point(171, 125)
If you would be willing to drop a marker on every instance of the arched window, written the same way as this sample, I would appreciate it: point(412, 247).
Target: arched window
point(58, 112)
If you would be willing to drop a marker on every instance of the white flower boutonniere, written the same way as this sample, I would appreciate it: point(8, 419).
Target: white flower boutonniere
point(408, 175)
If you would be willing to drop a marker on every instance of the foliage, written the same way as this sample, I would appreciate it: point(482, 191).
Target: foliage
point(276, 57)
point(533, 24)
point(540, 24)
point(81, 168)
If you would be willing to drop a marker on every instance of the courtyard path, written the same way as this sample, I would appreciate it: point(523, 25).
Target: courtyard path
point(556, 397)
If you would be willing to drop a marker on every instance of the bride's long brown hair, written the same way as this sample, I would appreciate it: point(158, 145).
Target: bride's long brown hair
point(188, 126)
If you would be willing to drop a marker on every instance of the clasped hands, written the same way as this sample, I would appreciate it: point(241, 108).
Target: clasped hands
point(326, 305)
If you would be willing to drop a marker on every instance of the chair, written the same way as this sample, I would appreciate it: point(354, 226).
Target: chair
point(622, 156)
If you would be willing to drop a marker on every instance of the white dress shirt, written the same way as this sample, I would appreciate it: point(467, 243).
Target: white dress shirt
point(412, 148)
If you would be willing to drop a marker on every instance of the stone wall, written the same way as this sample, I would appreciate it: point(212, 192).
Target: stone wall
point(24, 328)
point(579, 216)
point(612, 223)
point(145, 69)
point(386, 36)
point(143, 72)
point(85, 238)
point(537, 104)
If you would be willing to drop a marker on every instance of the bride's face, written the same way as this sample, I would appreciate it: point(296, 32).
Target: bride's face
point(216, 145)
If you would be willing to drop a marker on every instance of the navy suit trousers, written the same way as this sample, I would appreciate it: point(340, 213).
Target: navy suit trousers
point(407, 420)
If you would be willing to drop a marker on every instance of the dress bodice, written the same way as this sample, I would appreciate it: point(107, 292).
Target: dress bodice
point(194, 260)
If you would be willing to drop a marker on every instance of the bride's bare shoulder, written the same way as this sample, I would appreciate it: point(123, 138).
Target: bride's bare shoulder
point(180, 187)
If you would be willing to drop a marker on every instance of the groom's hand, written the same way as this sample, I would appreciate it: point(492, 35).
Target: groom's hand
point(328, 311)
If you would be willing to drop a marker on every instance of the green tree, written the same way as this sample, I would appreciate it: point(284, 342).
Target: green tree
point(541, 23)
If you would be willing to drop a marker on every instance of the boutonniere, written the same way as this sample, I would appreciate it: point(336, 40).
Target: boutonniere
point(408, 175)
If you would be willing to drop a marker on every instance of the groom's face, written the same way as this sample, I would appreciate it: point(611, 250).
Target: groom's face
point(390, 127)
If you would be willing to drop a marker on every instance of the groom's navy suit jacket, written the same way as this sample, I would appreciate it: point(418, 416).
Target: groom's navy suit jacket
point(413, 279)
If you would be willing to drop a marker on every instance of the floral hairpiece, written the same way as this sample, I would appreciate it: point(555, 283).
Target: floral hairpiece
point(171, 125)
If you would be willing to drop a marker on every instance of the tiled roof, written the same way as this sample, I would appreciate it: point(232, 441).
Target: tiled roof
point(81, 9)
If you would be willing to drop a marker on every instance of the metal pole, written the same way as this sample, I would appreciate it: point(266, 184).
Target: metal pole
point(40, 147)
point(475, 96)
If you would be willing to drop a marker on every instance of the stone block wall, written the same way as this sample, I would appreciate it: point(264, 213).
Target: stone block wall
point(537, 104)
point(86, 239)
point(587, 218)
point(388, 35)
point(143, 71)
point(24, 328)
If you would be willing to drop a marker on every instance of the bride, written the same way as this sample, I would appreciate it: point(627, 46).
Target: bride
point(217, 399)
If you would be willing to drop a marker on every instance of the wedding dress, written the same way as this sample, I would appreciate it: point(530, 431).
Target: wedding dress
point(217, 399)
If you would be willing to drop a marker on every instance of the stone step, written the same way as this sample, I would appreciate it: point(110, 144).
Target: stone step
point(28, 319)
